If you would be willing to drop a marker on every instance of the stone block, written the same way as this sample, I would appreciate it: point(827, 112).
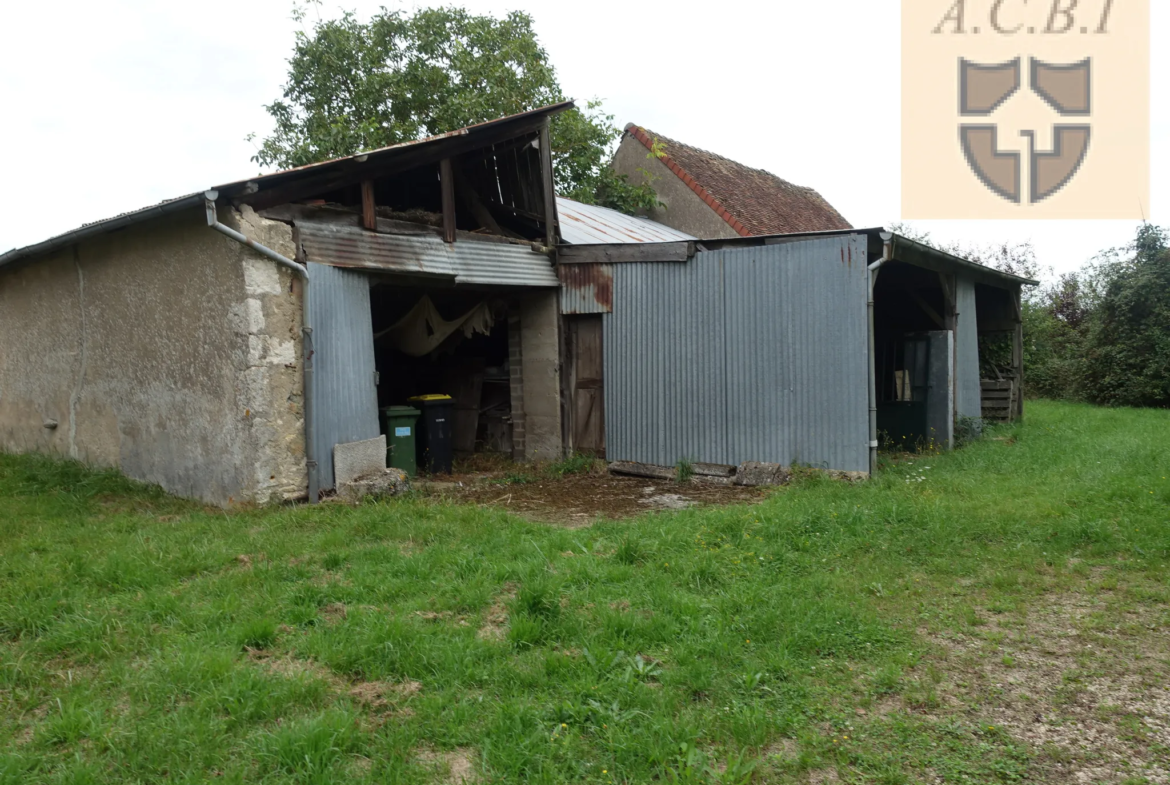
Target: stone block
point(358, 459)
point(385, 482)
point(754, 473)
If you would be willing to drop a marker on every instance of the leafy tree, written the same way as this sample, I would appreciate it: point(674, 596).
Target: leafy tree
point(355, 85)
point(1127, 352)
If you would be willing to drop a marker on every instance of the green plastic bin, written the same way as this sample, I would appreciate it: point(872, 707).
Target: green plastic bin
point(400, 424)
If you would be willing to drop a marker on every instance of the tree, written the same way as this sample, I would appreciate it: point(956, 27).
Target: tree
point(355, 86)
point(1127, 352)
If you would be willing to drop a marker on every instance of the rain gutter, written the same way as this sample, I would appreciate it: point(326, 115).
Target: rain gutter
point(306, 328)
point(874, 269)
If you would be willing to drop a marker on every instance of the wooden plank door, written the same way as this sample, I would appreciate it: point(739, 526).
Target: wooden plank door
point(587, 384)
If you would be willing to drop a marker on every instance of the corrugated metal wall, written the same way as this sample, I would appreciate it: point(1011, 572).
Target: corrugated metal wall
point(345, 403)
point(745, 354)
point(968, 394)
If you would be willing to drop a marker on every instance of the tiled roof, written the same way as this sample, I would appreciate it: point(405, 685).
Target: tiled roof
point(752, 201)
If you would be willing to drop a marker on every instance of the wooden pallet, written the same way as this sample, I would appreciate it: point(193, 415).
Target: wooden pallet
point(999, 399)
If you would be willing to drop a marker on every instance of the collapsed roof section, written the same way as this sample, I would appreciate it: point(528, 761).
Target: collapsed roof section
point(492, 178)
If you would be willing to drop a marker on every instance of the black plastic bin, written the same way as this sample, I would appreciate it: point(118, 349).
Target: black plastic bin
point(436, 446)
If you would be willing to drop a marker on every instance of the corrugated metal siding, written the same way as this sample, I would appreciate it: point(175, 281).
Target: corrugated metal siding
point(968, 394)
point(467, 261)
point(746, 354)
point(345, 403)
point(588, 223)
point(586, 288)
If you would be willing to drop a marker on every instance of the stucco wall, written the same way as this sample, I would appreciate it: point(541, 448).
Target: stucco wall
point(165, 350)
point(683, 210)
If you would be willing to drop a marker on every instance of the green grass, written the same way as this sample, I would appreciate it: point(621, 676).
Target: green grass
point(145, 639)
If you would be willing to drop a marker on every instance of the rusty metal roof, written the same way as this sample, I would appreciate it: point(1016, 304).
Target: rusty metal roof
point(587, 223)
point(465, 262)
point(386, 156)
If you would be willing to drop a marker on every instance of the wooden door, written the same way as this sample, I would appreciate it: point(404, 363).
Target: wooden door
point(587, 385)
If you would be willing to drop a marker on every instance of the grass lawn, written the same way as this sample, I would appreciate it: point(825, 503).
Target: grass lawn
point(998, 614)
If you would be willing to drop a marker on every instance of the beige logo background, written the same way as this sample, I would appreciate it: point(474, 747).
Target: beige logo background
point(1049, 83)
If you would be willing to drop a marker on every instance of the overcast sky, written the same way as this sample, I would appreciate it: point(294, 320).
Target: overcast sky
point(111, 106)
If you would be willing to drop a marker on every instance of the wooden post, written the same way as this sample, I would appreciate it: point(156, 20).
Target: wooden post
point(447, 184)
point(550, 196)
point(369, 214)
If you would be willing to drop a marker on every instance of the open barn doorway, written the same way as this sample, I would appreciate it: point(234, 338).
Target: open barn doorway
point(914, 358)
point(433, 340)
point(491, 349)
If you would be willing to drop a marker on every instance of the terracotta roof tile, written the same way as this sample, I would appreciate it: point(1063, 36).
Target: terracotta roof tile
point(752, 201)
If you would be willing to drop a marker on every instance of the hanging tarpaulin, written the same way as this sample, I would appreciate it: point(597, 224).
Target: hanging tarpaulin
point(424, 329)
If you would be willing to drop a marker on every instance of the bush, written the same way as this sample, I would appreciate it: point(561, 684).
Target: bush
point(1127, 351)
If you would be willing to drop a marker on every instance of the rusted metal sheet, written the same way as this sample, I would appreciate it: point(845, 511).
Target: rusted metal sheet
point(590, 224)
point(586, 288)
point(465, 261)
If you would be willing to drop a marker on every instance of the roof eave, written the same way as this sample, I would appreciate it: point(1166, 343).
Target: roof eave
point(912, 252)
point(101, 227)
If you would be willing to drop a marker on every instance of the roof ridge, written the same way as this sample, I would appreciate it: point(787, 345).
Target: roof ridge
point(774, 204)
point(640, 134)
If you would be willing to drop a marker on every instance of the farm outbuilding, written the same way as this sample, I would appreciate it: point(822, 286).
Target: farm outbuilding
point(792, 349)
point(241, 344)
point(226, 344)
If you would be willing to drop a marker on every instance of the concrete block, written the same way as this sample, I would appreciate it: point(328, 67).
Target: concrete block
point(358, 459)
point(385, 482)
point(754, 473)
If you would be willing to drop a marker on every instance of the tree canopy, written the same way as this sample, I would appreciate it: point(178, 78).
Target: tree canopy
point(358, 85)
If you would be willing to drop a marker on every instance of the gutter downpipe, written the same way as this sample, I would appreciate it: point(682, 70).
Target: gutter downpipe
point(874, 269)
point(306, 329)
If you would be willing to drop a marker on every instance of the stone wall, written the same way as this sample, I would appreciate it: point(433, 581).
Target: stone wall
point(683, 209)
point(166, 350)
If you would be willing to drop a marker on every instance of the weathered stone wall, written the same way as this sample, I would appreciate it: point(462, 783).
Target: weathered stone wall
point(683, 209)
point(166, 350)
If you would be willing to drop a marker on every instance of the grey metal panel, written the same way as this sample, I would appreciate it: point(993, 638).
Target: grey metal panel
point(586, 288)
point(467, 261)
point(666, 361)
point(345, 404)
point(589, 223)
point(940, 396)
point(968, 394)
point(743, 354)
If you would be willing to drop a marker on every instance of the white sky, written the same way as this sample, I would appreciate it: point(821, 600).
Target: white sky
point(111, 106)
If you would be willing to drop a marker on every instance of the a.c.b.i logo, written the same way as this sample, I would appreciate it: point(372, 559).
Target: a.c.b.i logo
point(1025, 109)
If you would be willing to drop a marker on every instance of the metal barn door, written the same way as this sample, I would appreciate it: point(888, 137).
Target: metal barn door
point(345, 402)
point(587, 385)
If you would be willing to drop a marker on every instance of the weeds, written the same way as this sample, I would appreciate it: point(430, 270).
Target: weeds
point(684, 471)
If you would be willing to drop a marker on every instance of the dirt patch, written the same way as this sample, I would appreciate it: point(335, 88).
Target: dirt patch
point(456, 767)
point(578, 500)
point(334, 612)
point(382, 695)
point(292, 668)
point(1089, 698)
point(785, 749)
point(495, 621)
